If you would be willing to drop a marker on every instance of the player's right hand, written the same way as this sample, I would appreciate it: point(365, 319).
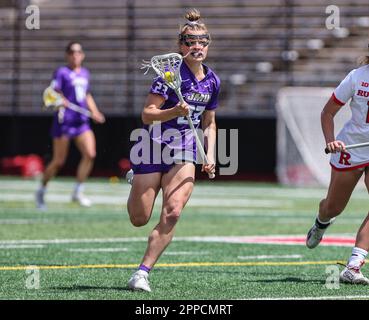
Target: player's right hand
point(65, 102)
point(336, 146)
point(98, 117)
point(181, 109)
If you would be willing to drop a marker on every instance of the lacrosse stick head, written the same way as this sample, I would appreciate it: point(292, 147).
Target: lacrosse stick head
point(51, 98)
point(167, 66)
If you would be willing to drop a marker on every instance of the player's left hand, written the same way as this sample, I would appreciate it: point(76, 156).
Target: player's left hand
point(98, 117)
point(208, 168)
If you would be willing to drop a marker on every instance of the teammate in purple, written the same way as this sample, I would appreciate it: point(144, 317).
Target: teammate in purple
point(175, 172)
point(72, 81)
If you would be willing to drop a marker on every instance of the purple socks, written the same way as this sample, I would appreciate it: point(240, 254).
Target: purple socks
point(144, 268)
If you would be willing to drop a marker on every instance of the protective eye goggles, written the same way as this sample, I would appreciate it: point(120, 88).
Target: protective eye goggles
point(190, 40)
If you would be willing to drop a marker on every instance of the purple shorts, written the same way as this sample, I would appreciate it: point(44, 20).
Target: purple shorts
point(61, 129)
point(170, 154)
point(150, 168)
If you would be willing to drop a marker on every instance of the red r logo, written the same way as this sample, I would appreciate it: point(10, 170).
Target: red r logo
point(344, 159)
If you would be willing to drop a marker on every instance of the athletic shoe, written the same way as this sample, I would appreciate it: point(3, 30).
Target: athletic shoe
point(315, 235)
point(129, 176)
point(40, 201)
point(81, 200)
point(139, 281)
point(353, 276)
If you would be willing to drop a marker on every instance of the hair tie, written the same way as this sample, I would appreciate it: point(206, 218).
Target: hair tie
point(191, 23)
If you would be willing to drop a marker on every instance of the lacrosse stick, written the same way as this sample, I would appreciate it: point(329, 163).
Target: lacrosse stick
point(53, 99)
point(167, 66)
point(351, 146)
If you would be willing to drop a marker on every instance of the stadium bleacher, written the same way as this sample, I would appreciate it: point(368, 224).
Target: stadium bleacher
point(117, 35)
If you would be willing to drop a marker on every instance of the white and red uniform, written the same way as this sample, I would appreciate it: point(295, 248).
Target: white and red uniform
point(355, 87)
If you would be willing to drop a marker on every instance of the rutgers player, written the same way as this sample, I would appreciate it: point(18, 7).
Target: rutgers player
point(200, 88)
point(72, 81)
point(347, 165)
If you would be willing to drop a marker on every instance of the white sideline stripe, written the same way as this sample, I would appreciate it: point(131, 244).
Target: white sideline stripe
point(22, 246)
point(225, 239)
point(298, 220)
point(315, 298)
point(119, 200)
point(98, 250)
point(293, 256)
point(67, 241)
point(287, 216)
point(214, 190)
point(184, 253)
point(236, 212)
point(23, 221)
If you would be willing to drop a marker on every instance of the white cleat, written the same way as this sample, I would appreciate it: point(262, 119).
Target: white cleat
point(129, 176)
point(353, 276)
point(315, 235)
point(40, 201)
point(81, 200)
point(139, 281)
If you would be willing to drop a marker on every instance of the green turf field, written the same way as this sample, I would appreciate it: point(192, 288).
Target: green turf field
point(90, 253)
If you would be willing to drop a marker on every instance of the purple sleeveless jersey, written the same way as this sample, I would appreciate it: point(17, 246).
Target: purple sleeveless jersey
point(74, 87)
point(175, 135)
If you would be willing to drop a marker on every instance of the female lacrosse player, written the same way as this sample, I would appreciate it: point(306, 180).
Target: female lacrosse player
point(347, 165)
point(72, 81)
point(200, 88)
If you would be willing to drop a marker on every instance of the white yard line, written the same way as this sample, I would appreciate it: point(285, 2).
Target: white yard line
point(185, 253)
point(223, 239)
point(200, 189)
point(22, 246)
point(290, 256)
point(67, 241)
point(23, 221)
point(122, 199)
point(98, 250)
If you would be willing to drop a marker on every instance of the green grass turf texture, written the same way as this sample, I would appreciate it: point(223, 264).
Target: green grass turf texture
point(215, 209)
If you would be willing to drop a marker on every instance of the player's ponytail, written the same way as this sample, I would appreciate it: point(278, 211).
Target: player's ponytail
point(193, 23)
point(193, 15)
point(364, 61)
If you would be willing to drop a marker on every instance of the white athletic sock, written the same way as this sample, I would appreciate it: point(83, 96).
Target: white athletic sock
point(42, 188)
point(357, 257)
point(321, 224)
point(78, 188)
point(321, 221)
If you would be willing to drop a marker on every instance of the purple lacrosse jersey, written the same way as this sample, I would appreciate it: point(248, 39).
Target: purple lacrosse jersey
point(177, 143)
point(74, 86)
